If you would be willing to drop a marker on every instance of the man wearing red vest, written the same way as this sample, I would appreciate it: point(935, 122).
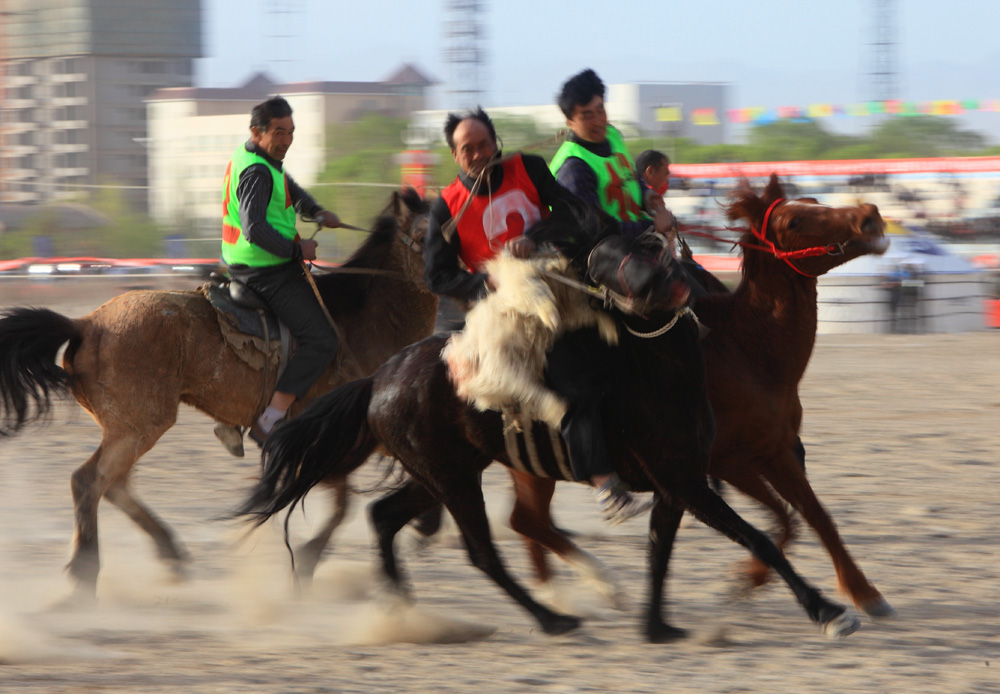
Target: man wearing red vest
point(511, 196)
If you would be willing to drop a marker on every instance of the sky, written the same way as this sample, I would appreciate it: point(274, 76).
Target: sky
point(773, 53)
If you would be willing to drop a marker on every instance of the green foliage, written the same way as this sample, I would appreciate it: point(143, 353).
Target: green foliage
point(129, 235)
point(125, 234)
point(895, 138)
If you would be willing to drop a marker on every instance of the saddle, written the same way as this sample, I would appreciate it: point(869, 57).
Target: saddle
point(254, 333)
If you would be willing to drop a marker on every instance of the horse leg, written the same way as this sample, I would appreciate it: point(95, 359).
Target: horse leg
point(790, 482)
point(663, 523)
point(167, 548)
point(307, 555)
point(388, 515)
point(710, 509)
point(531, 518)
point(464, 499)
point(750, 483)
point(107, 466)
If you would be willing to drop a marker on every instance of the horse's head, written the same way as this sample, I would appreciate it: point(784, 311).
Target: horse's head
point(809, 237)
point(642, 270)
point(410, 212)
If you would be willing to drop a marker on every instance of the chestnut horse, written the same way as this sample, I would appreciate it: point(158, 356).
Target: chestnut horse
point(131, 362)
point(759, 343)
point(409, 409)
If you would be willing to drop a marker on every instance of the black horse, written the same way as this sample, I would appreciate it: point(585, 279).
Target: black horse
point(659, 428)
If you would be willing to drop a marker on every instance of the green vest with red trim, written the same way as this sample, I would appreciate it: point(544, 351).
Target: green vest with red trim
point(236, 250)
point(618, 189)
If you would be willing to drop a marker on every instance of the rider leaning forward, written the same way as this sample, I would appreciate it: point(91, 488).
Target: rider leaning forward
point(263, 251)
point(513, 194)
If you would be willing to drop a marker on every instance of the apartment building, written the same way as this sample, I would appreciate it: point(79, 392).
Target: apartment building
point(74, 75)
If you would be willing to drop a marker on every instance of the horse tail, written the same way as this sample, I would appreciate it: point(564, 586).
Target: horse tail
point(30, 339)
point(330, 438)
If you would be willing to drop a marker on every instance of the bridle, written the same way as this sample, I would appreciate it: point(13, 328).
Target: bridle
point(770, 248)
point(788, 256)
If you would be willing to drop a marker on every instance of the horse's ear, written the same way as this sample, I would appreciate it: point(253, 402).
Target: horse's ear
point(744, 203)
point(773, 191)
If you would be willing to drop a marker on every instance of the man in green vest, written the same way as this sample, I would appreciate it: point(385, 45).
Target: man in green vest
point(264, 252)
point(594, 164)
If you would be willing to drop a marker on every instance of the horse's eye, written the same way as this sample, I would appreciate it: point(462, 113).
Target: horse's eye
point(793, 223)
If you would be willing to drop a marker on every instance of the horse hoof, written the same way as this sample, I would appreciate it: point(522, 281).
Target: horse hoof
point(560, 624)
point(878, 608)
point(842, 625)
point(660, 632)
point(231, 438)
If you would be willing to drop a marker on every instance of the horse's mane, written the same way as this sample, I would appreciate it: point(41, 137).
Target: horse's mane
point(746, 205)
point(344, 292)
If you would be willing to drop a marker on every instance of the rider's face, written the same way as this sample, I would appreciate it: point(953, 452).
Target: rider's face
point(658, 177)
point(589, 121)
point(276, 139)
point(474, 146)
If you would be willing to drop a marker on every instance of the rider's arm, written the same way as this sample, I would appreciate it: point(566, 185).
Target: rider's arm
point(442, 273)
point(301, 200)
point(578, 178)
point(254, 194)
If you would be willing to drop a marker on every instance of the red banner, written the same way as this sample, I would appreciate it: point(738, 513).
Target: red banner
point(839, 167)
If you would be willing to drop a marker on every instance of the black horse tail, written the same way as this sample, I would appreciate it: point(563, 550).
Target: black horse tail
point(30, 339)
point(330, 438)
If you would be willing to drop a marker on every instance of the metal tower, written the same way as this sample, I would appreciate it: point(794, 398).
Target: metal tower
point(280, 37)
point(465, 51)
point(882, 80)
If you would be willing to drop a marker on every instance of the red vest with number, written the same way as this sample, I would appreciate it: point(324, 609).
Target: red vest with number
point(484, 227)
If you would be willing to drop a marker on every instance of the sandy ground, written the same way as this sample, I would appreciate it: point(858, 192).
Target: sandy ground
point(902, 437)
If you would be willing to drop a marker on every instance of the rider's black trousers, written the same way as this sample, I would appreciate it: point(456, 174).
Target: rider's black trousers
point(287, 293)
point(582, 368)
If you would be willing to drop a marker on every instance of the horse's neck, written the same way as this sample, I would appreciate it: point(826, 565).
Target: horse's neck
point(398, 311)
point(773, 314)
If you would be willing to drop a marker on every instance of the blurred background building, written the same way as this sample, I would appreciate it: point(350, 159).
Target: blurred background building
point(193, 133)
point(75, 74)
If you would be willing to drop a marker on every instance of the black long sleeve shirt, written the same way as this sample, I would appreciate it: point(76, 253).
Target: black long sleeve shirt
point(253, 191)
point(442, 272)
point(576, 176)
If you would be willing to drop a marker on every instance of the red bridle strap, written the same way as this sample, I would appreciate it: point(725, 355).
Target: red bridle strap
point(787, 256)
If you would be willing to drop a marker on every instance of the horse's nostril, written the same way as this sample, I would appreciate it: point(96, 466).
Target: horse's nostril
point(869, 225)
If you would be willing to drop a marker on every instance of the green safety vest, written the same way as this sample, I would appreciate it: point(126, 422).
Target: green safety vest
point(236, 250)
point(617, 188)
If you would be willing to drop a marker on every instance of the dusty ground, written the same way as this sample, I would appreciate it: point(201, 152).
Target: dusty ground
point(902, 436)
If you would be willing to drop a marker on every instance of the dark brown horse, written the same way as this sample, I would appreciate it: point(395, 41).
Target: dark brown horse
point(131, 362)
point(409, 409)
point(760, 340)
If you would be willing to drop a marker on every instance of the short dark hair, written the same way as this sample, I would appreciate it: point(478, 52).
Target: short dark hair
point(477, 113)
point(580, 89)
point(263, 113)
point(650, 157)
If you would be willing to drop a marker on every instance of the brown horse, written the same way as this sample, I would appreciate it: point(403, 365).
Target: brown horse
point(409, 409)
point(760, 340)
point(131, 362)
